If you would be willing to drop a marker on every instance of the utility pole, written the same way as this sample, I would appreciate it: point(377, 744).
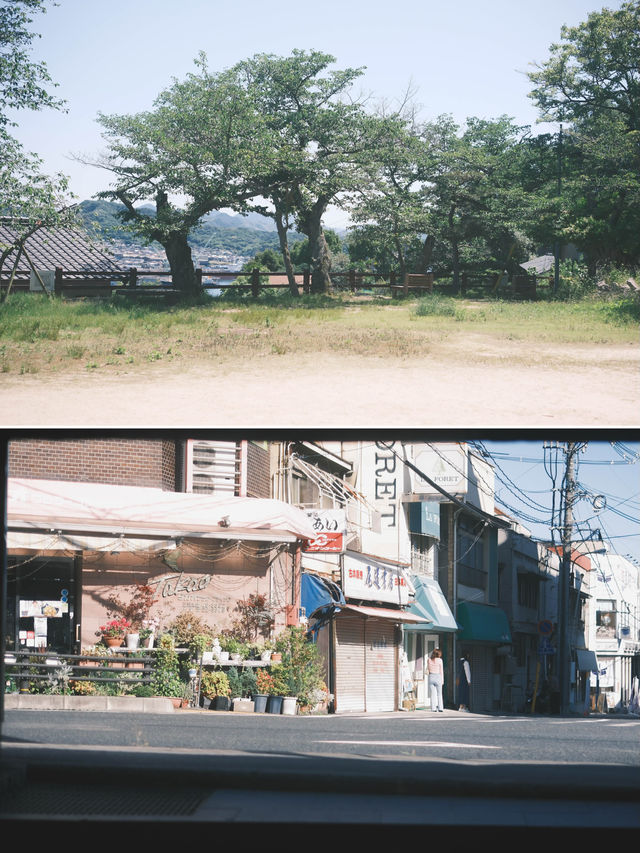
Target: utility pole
point(556, 249)
point(564, 665)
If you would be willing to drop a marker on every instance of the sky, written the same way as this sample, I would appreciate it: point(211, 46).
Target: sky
point(460, 58)
point(608, 469)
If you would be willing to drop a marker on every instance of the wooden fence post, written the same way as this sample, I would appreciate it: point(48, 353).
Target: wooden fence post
point(57, 281)
point(133, 277)
point(255, 283)
point(199, 278)
point(352, 280)
point(306, 281)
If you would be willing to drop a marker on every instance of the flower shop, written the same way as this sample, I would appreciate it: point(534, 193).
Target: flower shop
point(95, 569)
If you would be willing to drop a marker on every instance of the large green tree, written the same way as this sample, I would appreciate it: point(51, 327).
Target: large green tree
point(591, 84)
point(191, 154)
point(316, 138)
point(391, 219)
point(28, 196)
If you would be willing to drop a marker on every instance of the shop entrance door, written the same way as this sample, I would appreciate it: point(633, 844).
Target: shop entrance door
point(41, 604)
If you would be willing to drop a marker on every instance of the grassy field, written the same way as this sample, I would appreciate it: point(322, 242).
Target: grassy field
point(40, 335)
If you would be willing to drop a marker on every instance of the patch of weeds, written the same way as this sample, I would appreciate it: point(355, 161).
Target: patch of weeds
point(91, 365)
point(154, 356)
point(28, 368)
point(279, 349)
point(119, 350)
point(436, 306)
point(622, 312)
point(75, 351)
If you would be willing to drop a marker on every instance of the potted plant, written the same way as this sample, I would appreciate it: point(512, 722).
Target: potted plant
point(136, 611)
point(277, 690)
point(112, 633)
point(148, 632)
point(264, 687)
point(214, 685)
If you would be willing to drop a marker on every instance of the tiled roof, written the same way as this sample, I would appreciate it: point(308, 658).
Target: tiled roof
point(49, 248)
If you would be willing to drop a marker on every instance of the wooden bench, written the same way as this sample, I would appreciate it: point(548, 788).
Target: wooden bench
point(414, 283)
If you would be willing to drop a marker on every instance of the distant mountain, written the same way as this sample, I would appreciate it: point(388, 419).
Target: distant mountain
point(219, 231)
point(254, 221)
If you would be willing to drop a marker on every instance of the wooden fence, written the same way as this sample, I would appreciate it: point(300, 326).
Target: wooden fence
point(131, 282)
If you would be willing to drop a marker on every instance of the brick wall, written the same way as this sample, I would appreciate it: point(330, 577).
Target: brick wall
point(125, 462)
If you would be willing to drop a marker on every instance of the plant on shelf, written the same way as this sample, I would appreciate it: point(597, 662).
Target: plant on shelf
point(230, 643)
point(214, 683)
point(186, 626)
point(137, 609)
point(114, 629)
point(199, 644)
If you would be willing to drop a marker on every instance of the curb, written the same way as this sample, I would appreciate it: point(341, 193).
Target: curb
point(46, 702)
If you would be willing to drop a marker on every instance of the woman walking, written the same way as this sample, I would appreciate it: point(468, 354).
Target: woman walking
point(436, 679)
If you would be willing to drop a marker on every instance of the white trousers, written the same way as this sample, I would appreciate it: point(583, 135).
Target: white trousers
point(435, 691)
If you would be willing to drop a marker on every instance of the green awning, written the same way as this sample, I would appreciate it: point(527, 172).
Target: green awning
point(483, 623)
point(430, 603)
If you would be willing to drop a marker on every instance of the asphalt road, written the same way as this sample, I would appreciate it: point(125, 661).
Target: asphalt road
point(409, 771)
point(452, 735)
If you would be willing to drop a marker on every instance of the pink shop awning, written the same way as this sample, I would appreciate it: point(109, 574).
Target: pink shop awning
point(105, 510)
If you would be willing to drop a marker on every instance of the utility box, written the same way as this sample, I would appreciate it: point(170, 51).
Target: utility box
point(48, 279)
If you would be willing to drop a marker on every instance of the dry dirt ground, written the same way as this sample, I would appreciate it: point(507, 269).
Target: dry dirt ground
point(470, 383)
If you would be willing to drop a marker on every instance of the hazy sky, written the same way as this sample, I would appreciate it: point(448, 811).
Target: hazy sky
point(464, 58)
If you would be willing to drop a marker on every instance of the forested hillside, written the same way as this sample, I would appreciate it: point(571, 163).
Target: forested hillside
point(244, 236)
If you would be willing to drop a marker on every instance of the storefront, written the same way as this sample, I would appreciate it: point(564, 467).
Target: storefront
point(357, 626)
point(72, 547)
point(484, 637)
point(420, 640)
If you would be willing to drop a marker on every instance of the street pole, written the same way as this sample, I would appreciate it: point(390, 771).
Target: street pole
point(564, 674)
point(556, 252)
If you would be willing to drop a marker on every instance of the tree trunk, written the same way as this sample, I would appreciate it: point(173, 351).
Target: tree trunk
point(284, 248)
point(183, 274)
point(402, 267)
point(427, 251)
point(320, 257)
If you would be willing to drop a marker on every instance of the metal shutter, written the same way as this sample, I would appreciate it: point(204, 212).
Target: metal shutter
point(381, 666)
point(350, 663)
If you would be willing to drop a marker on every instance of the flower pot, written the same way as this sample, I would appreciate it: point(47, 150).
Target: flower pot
point(147, 643)
point(289, 705)
point(221, 703)
point(223, 657)
point(236, 658)
point(274, 705)
point(260, 702)
point(276, 657)
point(133, 641)
point(265, 656)
point(113, 642)
point(205, 702)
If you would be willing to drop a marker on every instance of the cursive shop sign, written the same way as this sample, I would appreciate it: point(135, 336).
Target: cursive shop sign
point(169, 585)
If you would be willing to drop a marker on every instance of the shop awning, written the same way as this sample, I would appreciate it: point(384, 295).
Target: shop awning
point(385, 613)
point(586, 660)
point(109, 544)
point(319, 596)
point(483, 623)
point(97, 509)
point(430, 603)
